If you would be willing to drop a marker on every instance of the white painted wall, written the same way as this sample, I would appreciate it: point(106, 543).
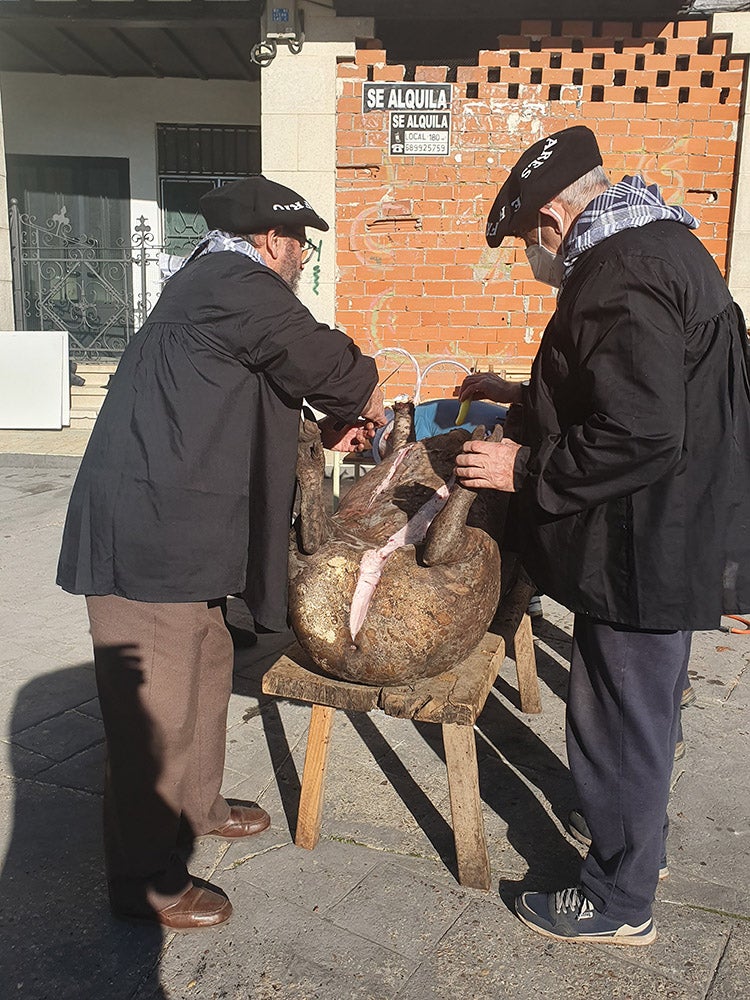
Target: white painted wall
point(298, 133)
point(6, 282)
point(48, 115)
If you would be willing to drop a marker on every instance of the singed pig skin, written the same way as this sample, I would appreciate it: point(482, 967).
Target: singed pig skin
point(421, 619)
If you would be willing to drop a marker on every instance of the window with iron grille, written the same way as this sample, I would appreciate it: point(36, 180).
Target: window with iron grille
point(191, 160)
point(208, 150)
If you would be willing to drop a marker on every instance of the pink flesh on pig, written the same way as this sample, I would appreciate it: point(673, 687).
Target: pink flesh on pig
point(373, 561)
point(388, 479)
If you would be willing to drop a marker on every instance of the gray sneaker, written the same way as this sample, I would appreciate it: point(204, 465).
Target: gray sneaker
point(569, 916)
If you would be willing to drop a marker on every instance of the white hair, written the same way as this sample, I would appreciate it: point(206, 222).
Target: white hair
point(577, 195)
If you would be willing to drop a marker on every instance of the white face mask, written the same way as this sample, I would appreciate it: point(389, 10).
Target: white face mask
point(545, 265)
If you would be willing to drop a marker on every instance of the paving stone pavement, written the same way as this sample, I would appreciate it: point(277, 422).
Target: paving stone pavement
point(375, 911)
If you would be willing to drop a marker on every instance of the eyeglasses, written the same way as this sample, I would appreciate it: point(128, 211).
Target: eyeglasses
point(309, 249)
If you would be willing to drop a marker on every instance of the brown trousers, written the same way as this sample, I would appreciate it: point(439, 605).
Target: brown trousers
point(164, 676)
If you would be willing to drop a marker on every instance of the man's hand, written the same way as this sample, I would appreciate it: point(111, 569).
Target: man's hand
point(486, 385)
point(375, 408)
point(487, 465)
point(352, 438)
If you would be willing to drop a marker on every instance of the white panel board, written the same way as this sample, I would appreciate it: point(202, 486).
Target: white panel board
point(34, 380)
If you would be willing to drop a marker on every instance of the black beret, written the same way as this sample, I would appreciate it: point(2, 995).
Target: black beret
point(544, 170)
point(256, 205)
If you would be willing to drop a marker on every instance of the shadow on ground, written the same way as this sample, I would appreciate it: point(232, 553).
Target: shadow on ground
point(58, 936)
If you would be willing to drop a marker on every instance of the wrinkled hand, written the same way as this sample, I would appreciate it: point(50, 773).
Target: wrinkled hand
point(375, 408)
point(486, 385)
point(352, 438)
point(487, 465)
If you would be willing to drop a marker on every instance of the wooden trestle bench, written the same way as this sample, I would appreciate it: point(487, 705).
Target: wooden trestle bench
point(454, 699)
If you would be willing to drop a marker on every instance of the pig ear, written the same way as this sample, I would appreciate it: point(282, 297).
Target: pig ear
point(446, 533)
point(402, 432)
point(478, 434)
point(497, 433)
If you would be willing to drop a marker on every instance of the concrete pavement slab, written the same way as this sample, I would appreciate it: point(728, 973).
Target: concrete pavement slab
point(271, 949)
point(62, 736)
point(315, 880)
point(733, 974)
point(47, 689)
point(15, 762)
point(83, 770)
point(399, 909)
point(58, 938)
point(323, 924)
point(488, 954)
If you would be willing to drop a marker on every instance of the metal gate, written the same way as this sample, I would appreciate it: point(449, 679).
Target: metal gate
point(68, 281)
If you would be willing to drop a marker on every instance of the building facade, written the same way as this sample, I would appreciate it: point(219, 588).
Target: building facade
point(397, 121)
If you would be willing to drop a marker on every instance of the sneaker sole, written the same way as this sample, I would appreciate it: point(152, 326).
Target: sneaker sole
point(621, 940)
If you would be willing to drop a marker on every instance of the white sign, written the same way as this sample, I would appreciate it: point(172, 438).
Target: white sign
point(420, 115)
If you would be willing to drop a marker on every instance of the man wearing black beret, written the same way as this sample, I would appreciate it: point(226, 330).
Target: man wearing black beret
point(185, 495)
point(633, 493)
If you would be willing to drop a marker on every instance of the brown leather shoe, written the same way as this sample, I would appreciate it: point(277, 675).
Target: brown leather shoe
point(244, 821)
point(198, 907)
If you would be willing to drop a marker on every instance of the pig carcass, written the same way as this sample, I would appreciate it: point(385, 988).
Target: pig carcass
point(403, 580)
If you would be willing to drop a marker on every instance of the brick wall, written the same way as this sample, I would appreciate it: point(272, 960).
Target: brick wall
point(413, 267)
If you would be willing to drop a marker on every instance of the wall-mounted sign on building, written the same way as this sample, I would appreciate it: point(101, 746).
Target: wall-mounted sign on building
point(420, 115)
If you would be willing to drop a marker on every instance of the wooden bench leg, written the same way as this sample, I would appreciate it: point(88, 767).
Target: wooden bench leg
point(313, 777)
point(528, 682)
point(466, 806)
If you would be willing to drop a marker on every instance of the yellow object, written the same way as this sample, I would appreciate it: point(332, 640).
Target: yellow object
point(463, 412)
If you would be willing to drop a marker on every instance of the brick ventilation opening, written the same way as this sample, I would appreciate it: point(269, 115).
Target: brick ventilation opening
point(414, 268)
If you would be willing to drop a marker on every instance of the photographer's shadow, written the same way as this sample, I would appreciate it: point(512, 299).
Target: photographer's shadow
point(59, 938)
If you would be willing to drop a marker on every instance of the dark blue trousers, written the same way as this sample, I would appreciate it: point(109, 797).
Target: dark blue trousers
point(623, 717)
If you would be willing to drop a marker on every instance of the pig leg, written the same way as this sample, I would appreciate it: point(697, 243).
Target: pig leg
point(312, 524)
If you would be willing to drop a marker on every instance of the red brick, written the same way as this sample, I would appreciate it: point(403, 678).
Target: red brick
point(346, 71)
point(370, 57)
point(617, 29)
point(474, 74)
point(394, 73)
point(489, 58)
point(656, 29)
point(513, 43)
point(577, 29)
point(536, 27)
point(431, 74)
point(692, 29)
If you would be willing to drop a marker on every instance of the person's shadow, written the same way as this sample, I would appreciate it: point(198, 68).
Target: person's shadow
point(59, 938)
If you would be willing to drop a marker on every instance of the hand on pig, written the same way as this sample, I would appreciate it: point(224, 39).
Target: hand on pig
point(351, 438)
point(487, 465)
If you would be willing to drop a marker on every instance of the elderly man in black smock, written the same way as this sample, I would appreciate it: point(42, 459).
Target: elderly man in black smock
point(184, 495)
point(633, 485)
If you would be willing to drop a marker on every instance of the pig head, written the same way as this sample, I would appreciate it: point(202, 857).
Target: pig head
point(403, 580)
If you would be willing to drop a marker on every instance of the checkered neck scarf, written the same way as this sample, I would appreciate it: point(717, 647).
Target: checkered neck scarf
point(212, 242)
point(627, 205)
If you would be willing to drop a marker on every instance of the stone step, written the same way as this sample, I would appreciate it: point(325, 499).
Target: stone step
point(88, 391)
point(89, 412)
point(82, 423)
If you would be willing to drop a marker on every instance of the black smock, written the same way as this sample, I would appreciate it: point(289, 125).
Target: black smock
point(186, 488)
point(636, 496)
